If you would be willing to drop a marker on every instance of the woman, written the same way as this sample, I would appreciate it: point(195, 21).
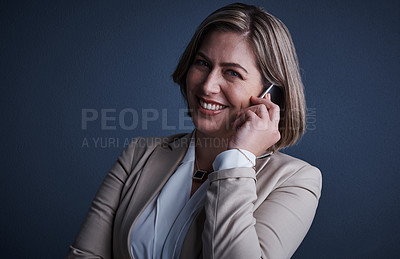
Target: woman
point(223, 191)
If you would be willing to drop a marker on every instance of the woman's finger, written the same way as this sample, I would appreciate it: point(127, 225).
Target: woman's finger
point(248, 115)
point(261, 111)
point(240, 119)
point(273, 109)
point(267, 102)
point(257, 108)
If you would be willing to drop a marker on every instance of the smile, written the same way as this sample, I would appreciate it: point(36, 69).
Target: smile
point(211, 107)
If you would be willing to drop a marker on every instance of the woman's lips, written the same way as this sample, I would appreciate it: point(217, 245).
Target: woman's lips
point(210, 107)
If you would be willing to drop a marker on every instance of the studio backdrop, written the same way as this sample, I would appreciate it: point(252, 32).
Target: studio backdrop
point(80, 79)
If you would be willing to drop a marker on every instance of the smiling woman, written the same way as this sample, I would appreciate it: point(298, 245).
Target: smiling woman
point(224, 190)
point(223, 75)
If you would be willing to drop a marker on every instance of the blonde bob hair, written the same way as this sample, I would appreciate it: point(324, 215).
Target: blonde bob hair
point(276, 57)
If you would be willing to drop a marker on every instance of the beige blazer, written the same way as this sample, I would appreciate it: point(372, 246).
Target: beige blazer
point(249, 213)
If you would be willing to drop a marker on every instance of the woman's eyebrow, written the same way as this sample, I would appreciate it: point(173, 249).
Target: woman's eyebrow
point(201, 54)
point(234, 65)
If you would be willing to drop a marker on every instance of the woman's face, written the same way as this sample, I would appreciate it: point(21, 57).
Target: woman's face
point(220, 82)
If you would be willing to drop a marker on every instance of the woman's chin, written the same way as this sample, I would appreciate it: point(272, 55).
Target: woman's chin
point(215, 132)
point(213, 127)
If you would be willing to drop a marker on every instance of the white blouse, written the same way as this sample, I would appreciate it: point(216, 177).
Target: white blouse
point(161, 229)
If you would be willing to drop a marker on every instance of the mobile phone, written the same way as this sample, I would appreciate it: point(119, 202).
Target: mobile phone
point(266, 91)
point(276, 94)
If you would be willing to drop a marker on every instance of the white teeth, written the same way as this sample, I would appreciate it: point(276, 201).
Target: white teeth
point(209, 106)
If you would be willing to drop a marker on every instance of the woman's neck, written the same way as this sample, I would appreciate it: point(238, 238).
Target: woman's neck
point(207, 148)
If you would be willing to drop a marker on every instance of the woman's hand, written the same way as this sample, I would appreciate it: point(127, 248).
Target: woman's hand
point(257, 126)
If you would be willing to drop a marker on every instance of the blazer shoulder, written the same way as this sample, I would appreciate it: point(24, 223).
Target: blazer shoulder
point(289, 163)
point(284, 170)
point(300, 173)
point(140, 148)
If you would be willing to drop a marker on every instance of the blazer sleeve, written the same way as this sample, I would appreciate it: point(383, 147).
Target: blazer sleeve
point(234, 228)
point(94, 239)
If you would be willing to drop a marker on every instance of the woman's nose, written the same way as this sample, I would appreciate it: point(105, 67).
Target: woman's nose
point(212, 83)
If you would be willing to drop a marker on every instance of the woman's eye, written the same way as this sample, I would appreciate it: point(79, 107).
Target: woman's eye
point(202, 63)
point(234, 73)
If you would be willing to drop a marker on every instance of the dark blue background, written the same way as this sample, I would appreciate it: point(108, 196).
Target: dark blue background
point(58, 58)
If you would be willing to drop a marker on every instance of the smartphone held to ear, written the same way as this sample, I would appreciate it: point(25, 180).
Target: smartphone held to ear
point(266, 91)
point(275, 92)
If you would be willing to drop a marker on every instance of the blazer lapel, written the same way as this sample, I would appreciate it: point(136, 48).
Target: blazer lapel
point(262, 161)
point(161, 164)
